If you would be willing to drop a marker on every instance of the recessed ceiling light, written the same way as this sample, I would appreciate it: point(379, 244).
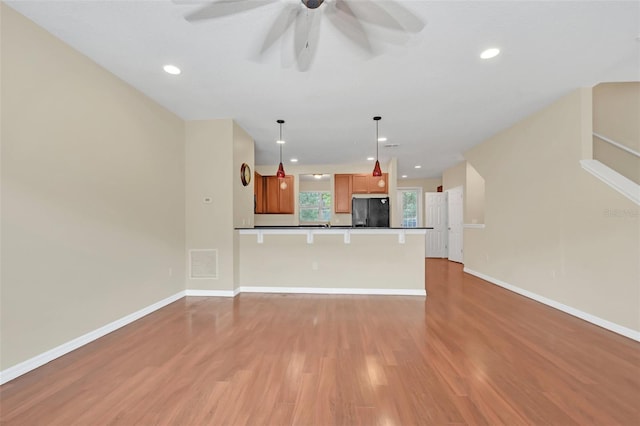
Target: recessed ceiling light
point(171, 69)
point(382, 139)
point(371, 158)
point(294, 160)
point(417, 167)
point(490, 53)
point(404, 176)
point(280, 142)
point(317, 176)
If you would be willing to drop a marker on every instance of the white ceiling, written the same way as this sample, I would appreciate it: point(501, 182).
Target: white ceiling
point(436, 96)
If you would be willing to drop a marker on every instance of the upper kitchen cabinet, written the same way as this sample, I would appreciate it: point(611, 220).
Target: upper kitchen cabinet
point(278, 200)
point(369, 184)
point(342, 193)
point(345, 185)
point(258, 193)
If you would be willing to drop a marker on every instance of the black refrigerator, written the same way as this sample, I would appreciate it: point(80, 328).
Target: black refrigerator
point(370, 212)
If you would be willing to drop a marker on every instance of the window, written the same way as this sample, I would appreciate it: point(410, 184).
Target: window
point(315, 206)
point(410, 204)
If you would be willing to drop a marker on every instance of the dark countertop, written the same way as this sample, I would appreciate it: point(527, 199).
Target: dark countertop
point(326, 227)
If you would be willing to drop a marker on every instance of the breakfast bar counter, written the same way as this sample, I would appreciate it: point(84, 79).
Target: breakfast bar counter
point(333, 260)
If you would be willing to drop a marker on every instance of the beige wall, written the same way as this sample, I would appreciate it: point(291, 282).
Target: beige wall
point(616, 108)
point(474, 196)
point(209, 174)
point(395, 220)
point(92, 195)
point(454, 176)
point(473, 187)
point(552, 228)
point(427, 185)
point(315, 185)
point(623, 162)
point(243, 152)
point(369, 261)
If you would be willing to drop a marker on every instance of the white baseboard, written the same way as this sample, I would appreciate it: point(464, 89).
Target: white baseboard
point(213, 293)
point(332, 290)
point(45, 357)
point(616, 328)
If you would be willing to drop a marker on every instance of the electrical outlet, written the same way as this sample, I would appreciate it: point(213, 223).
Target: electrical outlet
point(170, 272)
point(314, 266)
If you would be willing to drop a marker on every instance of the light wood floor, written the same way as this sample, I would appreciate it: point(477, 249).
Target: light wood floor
point(472, 353)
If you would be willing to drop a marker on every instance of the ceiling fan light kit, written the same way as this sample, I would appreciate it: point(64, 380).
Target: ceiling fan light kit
point(312, 4)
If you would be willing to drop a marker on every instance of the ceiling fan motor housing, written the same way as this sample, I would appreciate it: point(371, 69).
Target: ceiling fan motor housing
point(312, 4)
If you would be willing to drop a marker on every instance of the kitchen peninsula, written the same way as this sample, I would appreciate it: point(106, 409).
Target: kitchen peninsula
point(333, 260)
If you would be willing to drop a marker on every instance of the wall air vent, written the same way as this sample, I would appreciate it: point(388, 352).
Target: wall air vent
point(392, 145)
point(203, 264)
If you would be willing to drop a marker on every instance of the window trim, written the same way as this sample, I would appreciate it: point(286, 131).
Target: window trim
point(419, 210)
point(319, 208)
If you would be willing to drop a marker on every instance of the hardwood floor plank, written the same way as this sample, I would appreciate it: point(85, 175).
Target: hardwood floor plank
point(471, 353)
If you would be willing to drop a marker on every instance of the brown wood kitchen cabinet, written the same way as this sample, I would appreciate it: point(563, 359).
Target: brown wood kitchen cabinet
point(368, 184)
point(258, 193)
point(342, 193)
point(345, 185)
point(372, 184)
point(276, 199)
point(360, 184)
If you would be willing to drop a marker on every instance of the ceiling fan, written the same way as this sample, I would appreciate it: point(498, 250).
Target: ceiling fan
point(348, 16)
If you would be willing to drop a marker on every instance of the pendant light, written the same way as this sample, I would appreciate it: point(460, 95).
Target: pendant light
point(280, 174)
point(376, 169)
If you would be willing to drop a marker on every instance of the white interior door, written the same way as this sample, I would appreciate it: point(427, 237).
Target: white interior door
point(436, 217)
point(455, 213)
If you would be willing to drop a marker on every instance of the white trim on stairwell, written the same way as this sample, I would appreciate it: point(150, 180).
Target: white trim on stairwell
point(611, 326)
point(617, 145)
point(615, 180)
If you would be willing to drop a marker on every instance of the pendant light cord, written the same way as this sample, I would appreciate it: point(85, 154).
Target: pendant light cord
point(280, 143)
point(377, 142)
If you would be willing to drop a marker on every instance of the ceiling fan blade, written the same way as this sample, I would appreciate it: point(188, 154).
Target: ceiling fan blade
point(409, 20)
point(307, 34)
point(282, 23)
point(369, 12)
point(349, 25)
point(224, 8)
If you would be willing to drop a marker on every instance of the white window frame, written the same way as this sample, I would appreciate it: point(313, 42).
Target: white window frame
point(320, 207)
point(399, 196)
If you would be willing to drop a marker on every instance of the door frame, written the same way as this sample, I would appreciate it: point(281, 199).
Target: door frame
point(419, 201)
point(443, 253)
point(453, 191)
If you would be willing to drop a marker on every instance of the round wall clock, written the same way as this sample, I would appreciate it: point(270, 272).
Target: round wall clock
point(245, 174)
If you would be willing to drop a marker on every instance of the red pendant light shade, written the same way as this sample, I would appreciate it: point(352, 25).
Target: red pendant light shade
point(280, 173)
point(376, 169)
